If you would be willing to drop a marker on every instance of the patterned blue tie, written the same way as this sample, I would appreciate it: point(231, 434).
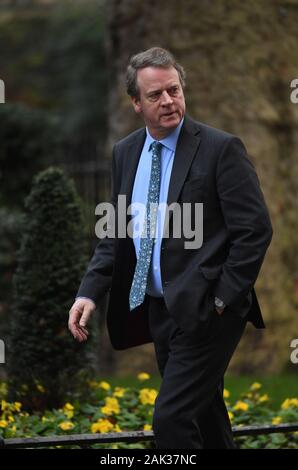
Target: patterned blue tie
point(139, 283)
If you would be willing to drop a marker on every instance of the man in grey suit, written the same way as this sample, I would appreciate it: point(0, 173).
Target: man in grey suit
point(191, 300)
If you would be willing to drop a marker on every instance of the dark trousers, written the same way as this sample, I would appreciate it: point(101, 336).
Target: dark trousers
point(190, 412)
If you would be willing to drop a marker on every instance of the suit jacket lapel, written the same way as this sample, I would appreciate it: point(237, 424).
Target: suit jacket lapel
point(187, 146)
point(132, 158)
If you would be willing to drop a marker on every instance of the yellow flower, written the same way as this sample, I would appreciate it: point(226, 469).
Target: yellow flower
point(40, 388)
point(289, 403)
point(255, 386)
point(147, 396)
point(10, 419)
point(231, 416)
point(17, 406)
point(119, 392)
point(44, 419)
point(66, 425)
point(143, 376)
point(111, 406)
point(147, 427)
point(4, 405)
point(13, 428)
point(241, 406)
point(286, 404)
point(117, 428)
point(68, 410)
point(263, 398)
point(106, 410)
point(95, 428)
point(277, 420)
point(68, 407)
point(3, 423)
point(102, 425)
point(226, 393)
point(104, 385)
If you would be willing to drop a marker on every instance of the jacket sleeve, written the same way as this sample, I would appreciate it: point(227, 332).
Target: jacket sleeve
point(97, 279)
point(247, 220)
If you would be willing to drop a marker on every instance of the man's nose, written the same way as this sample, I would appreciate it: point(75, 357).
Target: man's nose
point(166, 99)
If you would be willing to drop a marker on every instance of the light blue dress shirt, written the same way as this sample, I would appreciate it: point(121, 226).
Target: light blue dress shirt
point(139, 195)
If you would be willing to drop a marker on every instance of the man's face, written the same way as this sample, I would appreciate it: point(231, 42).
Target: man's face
point(161, 100)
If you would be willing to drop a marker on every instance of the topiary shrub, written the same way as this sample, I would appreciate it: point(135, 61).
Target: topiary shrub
point(43, 360)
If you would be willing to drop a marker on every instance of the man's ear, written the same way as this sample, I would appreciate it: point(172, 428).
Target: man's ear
point(136, 104)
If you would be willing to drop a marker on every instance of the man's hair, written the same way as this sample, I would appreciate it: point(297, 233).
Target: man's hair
point(154, 57)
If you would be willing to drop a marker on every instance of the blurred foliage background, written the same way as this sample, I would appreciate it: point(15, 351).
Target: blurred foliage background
point(63, 64)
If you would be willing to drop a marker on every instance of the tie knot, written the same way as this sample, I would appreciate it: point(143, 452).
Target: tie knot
point(156, 147)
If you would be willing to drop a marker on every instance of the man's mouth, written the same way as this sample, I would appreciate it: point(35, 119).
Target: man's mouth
point(169, 114)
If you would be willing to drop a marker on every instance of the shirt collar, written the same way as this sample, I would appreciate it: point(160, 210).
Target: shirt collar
point(170, 141)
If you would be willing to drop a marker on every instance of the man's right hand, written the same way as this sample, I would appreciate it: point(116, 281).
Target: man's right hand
point(79, 315)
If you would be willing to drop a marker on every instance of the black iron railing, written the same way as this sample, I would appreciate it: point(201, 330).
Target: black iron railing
point(88, 440)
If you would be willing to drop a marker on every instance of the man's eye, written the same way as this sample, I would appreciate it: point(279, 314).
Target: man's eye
point(154, 96)
point(174, 90)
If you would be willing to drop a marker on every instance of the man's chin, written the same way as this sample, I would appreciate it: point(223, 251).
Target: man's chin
point(170, 121)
